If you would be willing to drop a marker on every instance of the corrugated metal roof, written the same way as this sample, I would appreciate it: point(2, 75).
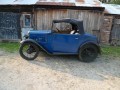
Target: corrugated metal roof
point(89, 3)
point(2, 2)
point(17, 2)
point(112, 9)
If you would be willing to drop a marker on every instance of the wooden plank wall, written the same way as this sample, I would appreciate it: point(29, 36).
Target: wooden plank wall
point(92, 20)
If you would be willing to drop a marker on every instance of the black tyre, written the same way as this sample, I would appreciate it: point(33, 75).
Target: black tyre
point(88, 53)
point(29, 51)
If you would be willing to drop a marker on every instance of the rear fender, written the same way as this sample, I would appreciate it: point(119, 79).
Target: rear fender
point(93, 43)
point(34, 42)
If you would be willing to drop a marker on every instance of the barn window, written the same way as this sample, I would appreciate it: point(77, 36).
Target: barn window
point(27, 20)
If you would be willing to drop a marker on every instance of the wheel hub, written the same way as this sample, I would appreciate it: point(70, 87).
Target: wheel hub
point(30, 50)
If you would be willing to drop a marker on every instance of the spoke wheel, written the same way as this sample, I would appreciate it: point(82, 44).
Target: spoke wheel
point(88, 53)
point(29, 51)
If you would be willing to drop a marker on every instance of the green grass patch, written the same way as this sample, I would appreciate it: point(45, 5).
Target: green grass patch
point(9, 47)
point(111, 50)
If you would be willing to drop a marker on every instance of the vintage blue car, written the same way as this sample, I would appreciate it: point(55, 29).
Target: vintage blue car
point(72, 40)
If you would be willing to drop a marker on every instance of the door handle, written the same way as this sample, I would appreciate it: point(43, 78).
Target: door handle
point(76, 38)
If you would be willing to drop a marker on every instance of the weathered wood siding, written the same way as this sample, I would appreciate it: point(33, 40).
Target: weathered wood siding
point(9, 25)
point(92, 20)
point(115, 33)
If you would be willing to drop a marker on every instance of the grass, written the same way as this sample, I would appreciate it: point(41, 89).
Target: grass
point(9, 47)
point(111, 50)
point(106, 50)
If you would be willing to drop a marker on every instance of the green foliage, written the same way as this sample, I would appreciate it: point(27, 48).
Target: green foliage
point(115, 2)
point(9, 47)
point(111, 1)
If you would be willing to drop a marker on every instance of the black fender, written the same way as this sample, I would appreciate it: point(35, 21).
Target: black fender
point(29, 40)
point(34, 42)
point(92, 43)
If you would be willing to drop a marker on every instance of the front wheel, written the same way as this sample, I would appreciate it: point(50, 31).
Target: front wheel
point(29, 51)
point(88, 53)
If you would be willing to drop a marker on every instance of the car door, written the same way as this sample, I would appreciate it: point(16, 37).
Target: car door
point(65, 43)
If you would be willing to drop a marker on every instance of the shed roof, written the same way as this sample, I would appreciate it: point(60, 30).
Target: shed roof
point(112, 9)
point(87, 3)
point(17, 2)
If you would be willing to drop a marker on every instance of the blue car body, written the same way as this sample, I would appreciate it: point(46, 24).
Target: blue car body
point(69, 40)
point(55, 43)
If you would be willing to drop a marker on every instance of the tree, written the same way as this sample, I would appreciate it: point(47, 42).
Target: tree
point(111, 1)
point(105, 1)
point(115, 2)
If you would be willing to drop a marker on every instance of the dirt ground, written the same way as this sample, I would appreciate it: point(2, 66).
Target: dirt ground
point(58, 73)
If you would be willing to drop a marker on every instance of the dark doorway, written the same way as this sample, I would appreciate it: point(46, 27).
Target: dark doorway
point(10, 25)
point(115, 33)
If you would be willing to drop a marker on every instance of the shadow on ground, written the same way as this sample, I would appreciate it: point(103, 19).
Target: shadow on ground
point(102, 68)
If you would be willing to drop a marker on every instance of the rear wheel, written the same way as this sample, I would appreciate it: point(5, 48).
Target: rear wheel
point(29, 51)
point(88, 53)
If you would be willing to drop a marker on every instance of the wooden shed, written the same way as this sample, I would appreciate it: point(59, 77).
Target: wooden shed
point(111, 24)
point(22, 15)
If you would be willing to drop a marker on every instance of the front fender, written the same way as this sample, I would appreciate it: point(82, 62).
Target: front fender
point(34, 42)
point(29, 40)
